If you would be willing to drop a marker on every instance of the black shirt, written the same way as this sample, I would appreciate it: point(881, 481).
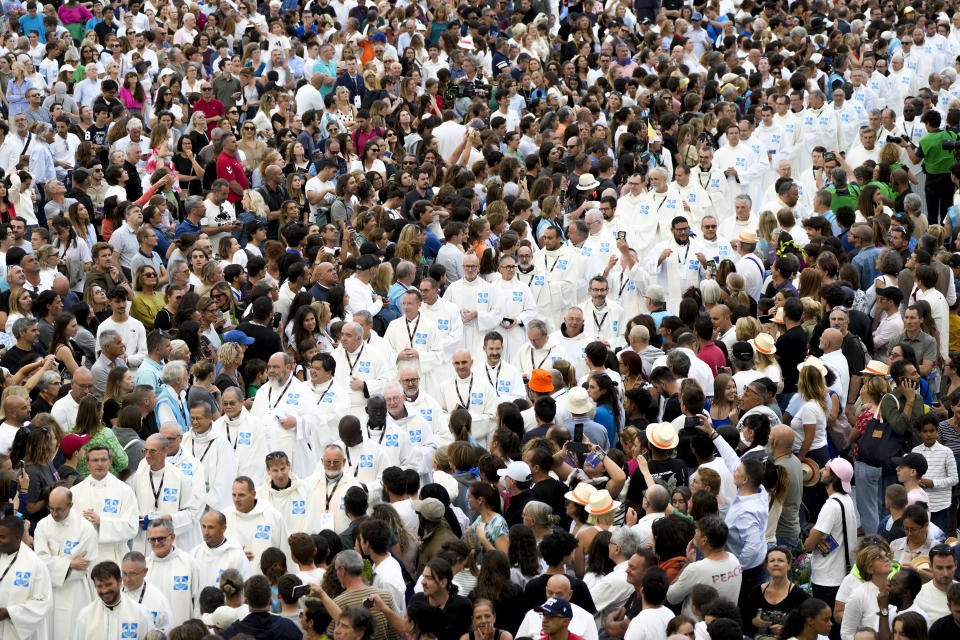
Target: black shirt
point(551, 492)
point(134, 187)
point(266, 342)
point(946, 628)
point(535, 593)
point(457, 616)
point(274, 200)
point(670, 471)
point(791, 351)
point(15, 357)
point(514, 512)
point(263, 625)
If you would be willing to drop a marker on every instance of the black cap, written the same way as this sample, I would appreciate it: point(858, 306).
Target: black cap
point(142, 67)
point(913, 460)
point(743, 351)
point(893, 294)
point(252, 226)
point(370, 248)
point(367, 262)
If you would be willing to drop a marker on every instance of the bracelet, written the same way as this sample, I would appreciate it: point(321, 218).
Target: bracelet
point(714, 435)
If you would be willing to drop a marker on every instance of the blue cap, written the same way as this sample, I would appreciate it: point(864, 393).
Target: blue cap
point(556, 607)
point(237, 336)
point(378, 37)
point(696, 16)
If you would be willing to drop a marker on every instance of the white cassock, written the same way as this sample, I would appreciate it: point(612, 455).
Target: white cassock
point(665, 206)
point(26, 594)
point(902, 83)
point(516, 303)
point(719, 193)
point(505, 379)
point(167, 492)
point(476, 296)
point(448, 322)
point(258, 530)
point(116, 504)
point(554, 283)
point(191, 467)
point(596, 251)
point(628, 286)
point(333, 400)
point(849, 121)
point(177, 577)
point(716, 250)
point(788, 124)
point(422, 335)
point(212, 561)
point(57, 544)
point(433, 415)
point(374, 367)
point(218, 465)
point(328, 498)
point(248, 440)
point(697, 202)
point(880, 86)
point(294, 504)
point(604, 324)
point(294, 398)
point(775, 144)
point(571, 349)
point(529, 358)
point(156, 604)
point(127, 620)
point(364, 463)
point(678, 271)
point(411, 432)
point(750, 162)
point(476, 396)
point(642, 220)
point(819, 127)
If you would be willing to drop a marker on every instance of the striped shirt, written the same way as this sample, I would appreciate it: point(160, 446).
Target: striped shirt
point(355, 598)
point(950, 437)
point(942, 470)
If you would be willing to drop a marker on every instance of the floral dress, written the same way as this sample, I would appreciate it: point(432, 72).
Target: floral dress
point(492, 530)
point(154, 162)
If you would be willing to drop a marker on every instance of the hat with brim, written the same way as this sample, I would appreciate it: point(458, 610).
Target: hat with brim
point(920, 563)
point(764, 344)
point(431, 509)
point(540, 381)
point(466, 42)
point(579, 402)
point(662, 435)
point(876, 368)
point(221, 618)
point(587, 182)
point(238, 336)
point(581, 493)
point(601, 503)
point(747, 236)
point(813, 361)
point(810, 471)
point(778, 316)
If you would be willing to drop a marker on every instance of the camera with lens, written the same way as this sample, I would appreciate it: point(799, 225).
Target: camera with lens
point(773, 617)
point(895, 139)
point(466, 89)
point(950, 144)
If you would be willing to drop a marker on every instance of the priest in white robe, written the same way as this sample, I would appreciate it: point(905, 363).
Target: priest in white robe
point(416, 341)
point(113, 615)
point(677, 263)
point(136, 585)
point(516, 303)
point(539, 351)
point(744, 163)
point(710, 177)
point(477, 302)
point(289, 495)
point(570, 340)
point(173, 571)
point(471, 392)
point(365, 457)
point(331, 483)
point(603, 319)
point(426, 405)
point(217, 460)
point(217, 552)
point(245, 435)
point(505, 379)
point(67, 545)
point(555, 279)
point(445, 314)
point(254, 523)
point(405, 427)
point(634, 208)
point(361, 369)
point(287, 409)
point(25, 591)
point(109, 504)
point(333, 401)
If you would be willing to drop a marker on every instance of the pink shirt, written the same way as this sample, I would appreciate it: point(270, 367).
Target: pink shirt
point(713, 356)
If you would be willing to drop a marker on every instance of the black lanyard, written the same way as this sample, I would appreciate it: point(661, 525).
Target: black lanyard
point(193, 448)
point(226, 426)
point(353, 364)
point(10, 566)
point(623, 285)
point(356, 469)
point(600, 322)
point(330, 493)
point(555, 261)
point(495, 385)
point(156, 490)
point(456, 387)
point(535, 365)
point(383, 433)
point(410, 334)
point(283, 392)
point(324, 394)
point(143, 592)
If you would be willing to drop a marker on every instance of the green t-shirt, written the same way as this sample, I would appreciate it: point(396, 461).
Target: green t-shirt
point(937, 160)
point(848, 199)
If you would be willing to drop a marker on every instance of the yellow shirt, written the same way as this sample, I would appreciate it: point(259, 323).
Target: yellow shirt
point(145, 309)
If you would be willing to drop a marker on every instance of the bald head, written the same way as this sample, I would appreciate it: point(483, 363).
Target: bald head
point(657, 498)
point(831, 340)
point(59, 503)
point(639, 337)
point(782, 439)
point(558, 586)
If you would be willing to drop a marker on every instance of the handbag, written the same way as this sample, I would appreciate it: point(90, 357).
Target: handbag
point(879, 444)
point(839, 433)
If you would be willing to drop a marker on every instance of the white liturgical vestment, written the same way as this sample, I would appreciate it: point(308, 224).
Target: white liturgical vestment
point(177, 577)
point(26, 594)
point(248, 440)
point(116, 504)
point(57, 544)
point(127, 620)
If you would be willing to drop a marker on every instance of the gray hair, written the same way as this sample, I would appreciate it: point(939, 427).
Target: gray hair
point(660, 171)
point(710, 291)
point(21, 325)
point(162, 522)
point(658, 497)
point(541, 513)
point(744, 198)
point(350, 561)
point(135, 556)
point(679, 363)
point(366, 316)
point(47, 379)
point(134, 123)
point(191, 202)
point(352, 325)
point(818, 94)
point(405, 269)
point(173, 371)
point(838, 176)
point(824, 197)
point(912, 203)
point(43, 129)
point(106, 337)
point(627, 539)
point(537, 323)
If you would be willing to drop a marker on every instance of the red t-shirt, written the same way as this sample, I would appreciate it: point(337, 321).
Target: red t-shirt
point(229, 168)
point(713, 356)
point(212, 109)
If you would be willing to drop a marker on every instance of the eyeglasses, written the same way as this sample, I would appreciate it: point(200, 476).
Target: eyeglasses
point(206, 88)
point(249, 128)
point(158, 540)
point(149, 275)
point(508, 266)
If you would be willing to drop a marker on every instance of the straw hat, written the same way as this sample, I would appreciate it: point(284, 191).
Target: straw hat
point(601, 503)
point(813, 361)
point(810, 471)
point(466, 42)
point(778, 317)
point(876, 368)
point(581, 493)
point(662, 435)
point(588, 182)
point(764, 344)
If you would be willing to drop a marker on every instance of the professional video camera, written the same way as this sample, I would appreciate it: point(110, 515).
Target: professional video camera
point(466, 89)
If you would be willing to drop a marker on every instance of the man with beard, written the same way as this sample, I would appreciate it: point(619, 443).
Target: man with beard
point(416, 341)
point(539, 351)
point(505, 379)
point(330, 485)
point(412, 432)
point(712, 180)
point(820, 125)
point(364, 371)
point(677, 262)
point(217, 552)
point(693, 198)
point(557, 275)
point(285, 405)
point(244, 434)
point(113, 615)
point(25, 592)
point(426, 405)
point(465, 390)
point(516, 304)
point(67, 545)
point(477, 302)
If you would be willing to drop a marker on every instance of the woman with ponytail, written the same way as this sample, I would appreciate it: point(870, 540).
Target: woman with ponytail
point(808, 621)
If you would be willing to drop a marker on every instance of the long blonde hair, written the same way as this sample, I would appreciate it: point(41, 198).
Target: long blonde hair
point(812, 386)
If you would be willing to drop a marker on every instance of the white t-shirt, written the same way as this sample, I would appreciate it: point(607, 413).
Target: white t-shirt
point(650, 624)
point(829, 570)
point(723, 575)
point(810, 413)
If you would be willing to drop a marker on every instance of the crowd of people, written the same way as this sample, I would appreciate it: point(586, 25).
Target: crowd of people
point(479, 320)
